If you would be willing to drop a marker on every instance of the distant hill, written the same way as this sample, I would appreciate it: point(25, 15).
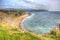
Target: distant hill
point(35, 10)
point(29, 10)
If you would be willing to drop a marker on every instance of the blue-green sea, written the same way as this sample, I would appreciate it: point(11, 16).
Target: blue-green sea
point(41, 22)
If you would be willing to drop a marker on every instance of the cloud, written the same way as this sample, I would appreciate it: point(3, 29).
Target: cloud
point(52, 5)
point(30, 0)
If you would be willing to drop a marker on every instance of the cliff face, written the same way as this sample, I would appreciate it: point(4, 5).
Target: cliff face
point(12, 18)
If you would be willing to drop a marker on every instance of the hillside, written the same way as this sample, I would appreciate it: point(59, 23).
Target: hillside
point(12, 17)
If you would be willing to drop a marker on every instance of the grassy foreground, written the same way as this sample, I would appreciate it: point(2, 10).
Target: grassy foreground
point(9, 33)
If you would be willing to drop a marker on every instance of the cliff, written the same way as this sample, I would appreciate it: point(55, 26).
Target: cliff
point(12, 17)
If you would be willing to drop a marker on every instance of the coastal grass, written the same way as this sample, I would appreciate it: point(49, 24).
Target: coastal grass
point(9, 33)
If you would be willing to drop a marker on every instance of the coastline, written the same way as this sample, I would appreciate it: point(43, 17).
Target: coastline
point(14, 22)
point(19, 20)
point(24, 20)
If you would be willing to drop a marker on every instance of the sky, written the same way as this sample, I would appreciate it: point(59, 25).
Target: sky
point(52, 5)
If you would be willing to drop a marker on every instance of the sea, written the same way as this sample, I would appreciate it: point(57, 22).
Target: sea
point(41, 22)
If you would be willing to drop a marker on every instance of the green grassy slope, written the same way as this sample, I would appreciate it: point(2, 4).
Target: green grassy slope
point(9, 33)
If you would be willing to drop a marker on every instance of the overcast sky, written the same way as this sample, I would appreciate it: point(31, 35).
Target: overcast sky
point(52, 5)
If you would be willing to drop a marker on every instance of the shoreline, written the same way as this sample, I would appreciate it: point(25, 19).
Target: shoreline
point(24, 20)
point(27, 15)
point(14, 22)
